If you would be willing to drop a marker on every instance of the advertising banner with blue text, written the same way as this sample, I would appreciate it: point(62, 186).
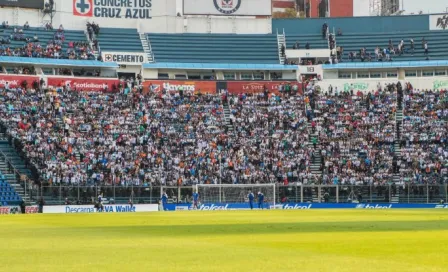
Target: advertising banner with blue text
point(303, 206)
point(106, 208)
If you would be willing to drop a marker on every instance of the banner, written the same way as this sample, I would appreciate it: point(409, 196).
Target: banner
point(32, 4)
point(236, 87)
point(10, 210)
point(31, 209)
point(228, 7)
point(307, 53)
point(107, 208)
point(304, 206)
point(438, 22)
point(174, 85)
point(128, 58)
point(14, 81)
point(83, 84)
point(123, 9)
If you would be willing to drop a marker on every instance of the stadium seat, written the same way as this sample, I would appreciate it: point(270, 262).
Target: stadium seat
point(214, 48)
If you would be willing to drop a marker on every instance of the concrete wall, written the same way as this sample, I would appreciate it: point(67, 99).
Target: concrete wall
point(160, 18)
point(354, 24)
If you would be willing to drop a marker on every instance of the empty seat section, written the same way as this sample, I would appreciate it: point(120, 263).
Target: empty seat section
point(214, 48)
point(120, 40)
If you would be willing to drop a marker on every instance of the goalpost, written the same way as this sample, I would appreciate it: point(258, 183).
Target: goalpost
point(235, 193)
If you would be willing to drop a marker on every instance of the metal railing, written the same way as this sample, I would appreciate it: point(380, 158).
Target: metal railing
point(407, 193)
point(21, 179)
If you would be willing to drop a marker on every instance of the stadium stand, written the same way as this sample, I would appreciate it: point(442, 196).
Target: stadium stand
point(119, 40)
point(437, 46)
point(357, 137)
point(314, 40)
point(369, 33)
point(214, 48)
point(425, 126)
point(8, 186)
point(67, 40)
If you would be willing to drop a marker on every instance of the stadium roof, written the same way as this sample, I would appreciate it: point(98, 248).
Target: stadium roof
point(393, 64)
point(58, 62)
point(218, 66)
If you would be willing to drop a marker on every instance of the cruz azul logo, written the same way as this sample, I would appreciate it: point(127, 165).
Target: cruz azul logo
point(227, 6)
point(83, 8)
point(121, 9)
point(442, 22)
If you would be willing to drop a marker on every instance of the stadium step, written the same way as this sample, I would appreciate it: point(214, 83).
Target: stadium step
point(146, 47)
point(315, 166)
point(227, 120)
point(281, 40)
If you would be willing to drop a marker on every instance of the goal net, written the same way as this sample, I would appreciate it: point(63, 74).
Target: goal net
point(235, 193)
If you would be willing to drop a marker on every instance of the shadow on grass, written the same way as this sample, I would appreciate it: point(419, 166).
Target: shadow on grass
point(277, 228)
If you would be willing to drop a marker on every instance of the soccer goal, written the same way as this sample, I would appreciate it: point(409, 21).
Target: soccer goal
point(235, 193)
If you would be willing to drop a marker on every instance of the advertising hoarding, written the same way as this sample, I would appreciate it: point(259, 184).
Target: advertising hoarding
point(305, 206)
point(107, 208)
point(174, 85)
point(128, 58)
point(234, 87)
point(14, 81)
point(228, 7)
point(83, 84)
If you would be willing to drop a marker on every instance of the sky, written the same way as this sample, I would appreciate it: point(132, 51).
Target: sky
point(428, 6)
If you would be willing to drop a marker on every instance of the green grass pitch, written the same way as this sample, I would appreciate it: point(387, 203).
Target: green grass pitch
point(293, 240)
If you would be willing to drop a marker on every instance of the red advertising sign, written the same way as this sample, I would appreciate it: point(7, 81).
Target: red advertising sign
point(4, 210)
point(83, 84)
point(174, 85)
point(31, 209)
point(10, 210)
point(236, 87)
point(15, 81)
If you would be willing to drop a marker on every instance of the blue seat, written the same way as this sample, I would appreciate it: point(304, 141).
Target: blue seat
point(5, 203)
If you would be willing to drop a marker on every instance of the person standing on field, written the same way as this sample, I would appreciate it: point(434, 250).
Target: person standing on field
point(260, 200)
point(164, 199)
point(251, 197)
point(195, 200)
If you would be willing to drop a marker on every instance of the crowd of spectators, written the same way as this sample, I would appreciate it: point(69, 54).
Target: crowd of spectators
point(424, 137)
point(93, 30)
point(387, 53)
point(270, 143)
point(33, 47)
point(180, 138)
point(356, 133)
point(118, 138)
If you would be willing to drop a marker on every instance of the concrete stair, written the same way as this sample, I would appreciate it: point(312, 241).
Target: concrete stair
point(227, 123)
point(316, 162)
point(281, 40)
point(146, 47)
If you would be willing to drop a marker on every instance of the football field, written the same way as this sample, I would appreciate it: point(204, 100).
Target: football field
point(276, 240)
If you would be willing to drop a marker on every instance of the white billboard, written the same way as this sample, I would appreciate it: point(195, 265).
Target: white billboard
point(128, 58)
point(228, 7)
point(106, 208)
point(438, 22)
